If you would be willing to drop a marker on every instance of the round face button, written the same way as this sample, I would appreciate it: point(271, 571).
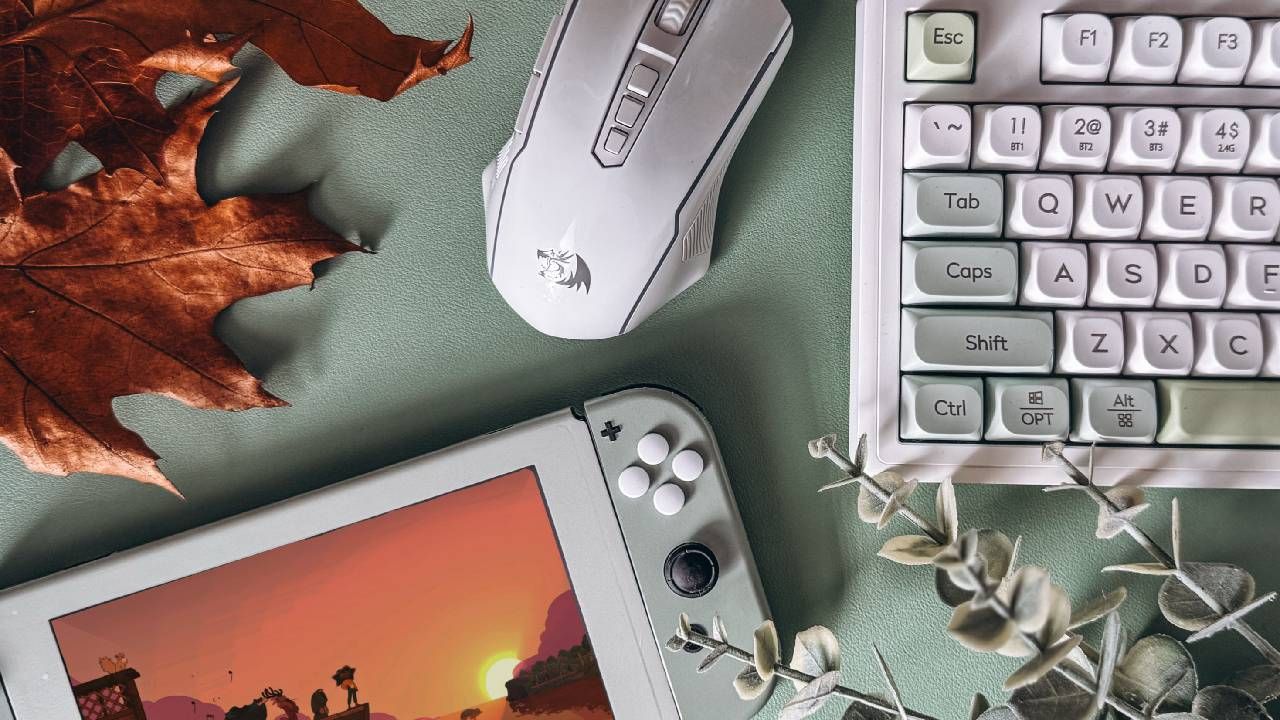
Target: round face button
point(692, 570)
point(688, 465)
point(669, 499)
point(653, 449)
point(633, 482)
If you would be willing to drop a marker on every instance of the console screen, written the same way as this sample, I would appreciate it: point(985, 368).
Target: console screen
point(457, 608)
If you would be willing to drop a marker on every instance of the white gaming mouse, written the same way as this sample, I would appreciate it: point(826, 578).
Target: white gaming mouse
point(601, 207)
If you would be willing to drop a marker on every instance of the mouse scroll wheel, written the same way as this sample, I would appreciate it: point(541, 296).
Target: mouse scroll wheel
point(676, 15)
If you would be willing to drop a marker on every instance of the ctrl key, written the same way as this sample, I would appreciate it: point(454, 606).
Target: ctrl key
point(1114, 411)
point(941, 408)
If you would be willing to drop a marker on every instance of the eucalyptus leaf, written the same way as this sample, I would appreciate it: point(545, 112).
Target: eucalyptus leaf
point(749, 685)
point(1112, 648)
point(911, 550)
point(1053, 630)
point(1029, 598)
point(1157, 666)
point(810, 698)
point(819, 448)
point(897, 500)
point(978, 705)
point(1111, 524)
point(948, 511)
point(712, 658)
point(1052, 698)
point(889, 683)
point(869, 506)
point(859, 712)
point(1176, 532)
point(1230, 585)
point(1098, 608)
point(817, 652)
point(860, 454)
point(1223, 702)
point(993, 548)
point(1260, 681)
point(767, 650)
point(998, 713)
point(1042, 664)
point(675, 644)
point(980, 629)
point(1141, 569)
point(718, 631)
point(1126, 496)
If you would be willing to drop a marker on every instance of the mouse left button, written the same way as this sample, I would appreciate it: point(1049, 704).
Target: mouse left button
point(540, 66)
point(548, 44)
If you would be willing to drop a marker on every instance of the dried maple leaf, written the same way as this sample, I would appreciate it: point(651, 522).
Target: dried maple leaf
point(111, 288)
point(79, 70)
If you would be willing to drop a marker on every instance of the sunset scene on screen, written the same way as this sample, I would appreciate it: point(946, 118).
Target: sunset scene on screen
point(458, 607)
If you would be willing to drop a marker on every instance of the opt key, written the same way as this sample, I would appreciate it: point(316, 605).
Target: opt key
point(939, 204)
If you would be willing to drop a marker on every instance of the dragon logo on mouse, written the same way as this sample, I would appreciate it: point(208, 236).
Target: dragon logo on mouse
point(564, 268)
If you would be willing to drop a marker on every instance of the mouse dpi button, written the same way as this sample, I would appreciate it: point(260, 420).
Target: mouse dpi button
point(643, 80)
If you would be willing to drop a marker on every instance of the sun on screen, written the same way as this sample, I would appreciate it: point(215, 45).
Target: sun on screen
point(500, 670)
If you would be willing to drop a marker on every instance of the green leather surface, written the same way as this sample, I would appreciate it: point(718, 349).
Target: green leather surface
point(410, 350)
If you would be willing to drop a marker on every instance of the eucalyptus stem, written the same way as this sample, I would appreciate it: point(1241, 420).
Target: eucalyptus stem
point(784, 671)
point(1161, 556)
point(843, 462)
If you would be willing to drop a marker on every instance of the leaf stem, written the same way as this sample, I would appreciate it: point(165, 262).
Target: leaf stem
point(784, 671)
point(1160, 555)
point(846, 465)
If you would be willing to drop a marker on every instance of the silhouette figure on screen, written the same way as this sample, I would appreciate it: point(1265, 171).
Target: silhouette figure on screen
point(319, 705)
point(345, 678)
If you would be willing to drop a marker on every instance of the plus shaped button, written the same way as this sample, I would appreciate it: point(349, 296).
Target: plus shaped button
point(611, 431)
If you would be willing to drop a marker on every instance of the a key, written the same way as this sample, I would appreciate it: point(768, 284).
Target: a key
point(1245, 209)
point(938, 137)
point(1214, 140)
point(1076, 48)
point(1192, 276)
point(952, 204)
point(1028, 409)
point(1007, 137)
point(1253, 277)
point(1264, 145)
point(1178, 208)
point(947, 271)
point(941, 408)
point(940, 46)
point(1219, 412)
point(1264, 69)
point(1108, 207)
point(1090, 342)
point(1148, 49)
point(1006, 342)
point(1145, 139)
point(1216, 50)
point(1271, 341)
point(1077, 137)
point(1114, 411)
point(1039, 206)
point(1159, 343)
point(1055, 274)
point(1123, 275)
point(1228, 344)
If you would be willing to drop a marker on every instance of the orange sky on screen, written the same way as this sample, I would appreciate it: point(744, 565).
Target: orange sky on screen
point(419, 601)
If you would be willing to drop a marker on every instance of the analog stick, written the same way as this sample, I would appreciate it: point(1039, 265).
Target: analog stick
point(692, 570)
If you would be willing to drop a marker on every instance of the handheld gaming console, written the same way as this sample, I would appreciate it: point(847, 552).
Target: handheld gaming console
point(535, 571)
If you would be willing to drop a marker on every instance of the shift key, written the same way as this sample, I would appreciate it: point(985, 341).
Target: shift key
point(977, 341)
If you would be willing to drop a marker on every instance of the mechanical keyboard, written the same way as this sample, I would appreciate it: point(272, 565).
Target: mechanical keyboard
point(1066, 220)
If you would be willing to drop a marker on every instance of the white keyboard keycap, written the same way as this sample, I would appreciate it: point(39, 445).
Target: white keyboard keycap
point(1247, 209)
point(1228, 345)
point(941, 408)
point(956, 272)
point(1055, 274)
point(1028, 409)
point(1214, 140)
point(1108, 207)
point(1039, 206)
point(952, 204)
point(1178, 208)
point(1008, 137)
point(1148, 49)
point(1159, 344)
point(1253, 273)
point(1264, 70)
point(938, 136)
point(1077, 137)
point(1076, 48)
point(1145, 139)
point(1090, 343)
point(1192, 276)
point(1006, 341)
point(1114, 411)
point(1216, 51)
point(1122, 275)
point(940, 46)
point(1271, 340)
point(1264, 145)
